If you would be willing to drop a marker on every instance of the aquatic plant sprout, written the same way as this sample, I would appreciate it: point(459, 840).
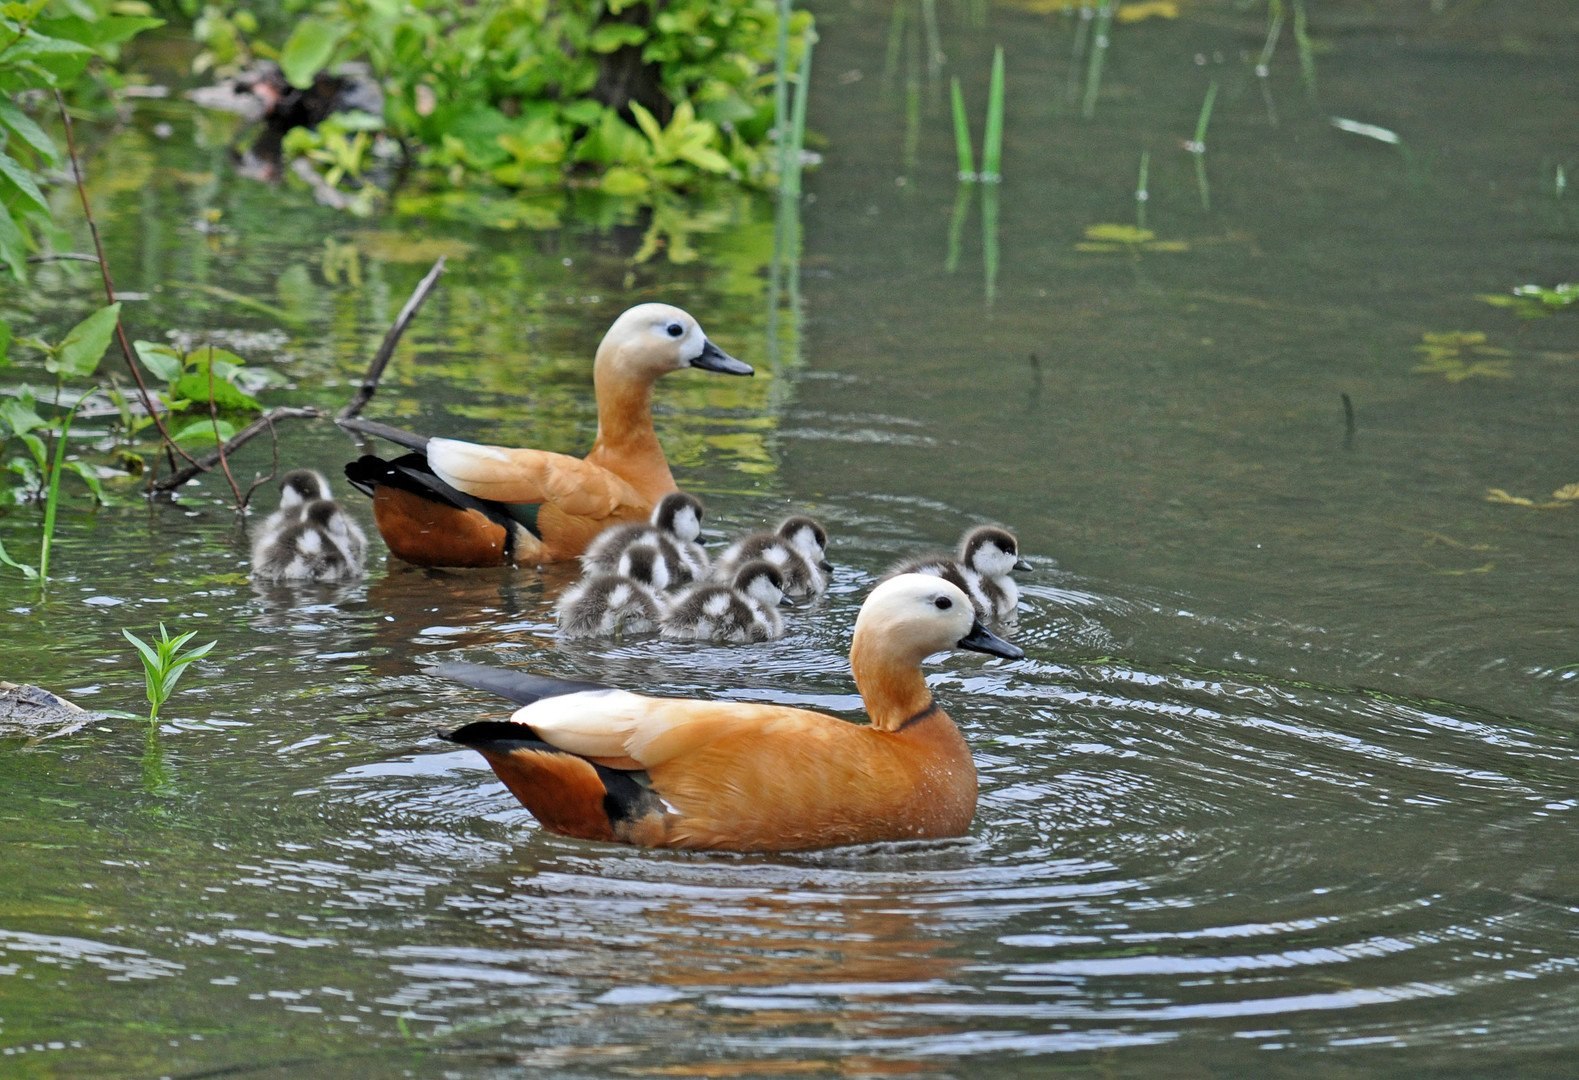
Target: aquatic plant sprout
point(164, 662)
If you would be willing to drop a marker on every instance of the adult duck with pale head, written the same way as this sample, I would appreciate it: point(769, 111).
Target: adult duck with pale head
point(603, 764)
point(454, 503)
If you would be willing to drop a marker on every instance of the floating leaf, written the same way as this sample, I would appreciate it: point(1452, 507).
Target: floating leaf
point(27, 571)
point(1560, 500)
point(1368, 131)
point(1150, 9)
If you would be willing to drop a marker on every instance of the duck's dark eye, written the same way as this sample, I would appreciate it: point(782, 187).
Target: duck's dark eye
point(674, 329)
point(943, 603)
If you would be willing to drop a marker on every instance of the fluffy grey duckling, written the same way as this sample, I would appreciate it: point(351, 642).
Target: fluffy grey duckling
point(629, 598)
point(986, 557)
point(745, 609)
point(673, 529)
point(321, 543)
point(798, 548)
point(297, 488)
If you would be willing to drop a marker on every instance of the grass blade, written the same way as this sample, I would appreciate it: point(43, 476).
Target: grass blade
point(962, 146)
point(992, 140)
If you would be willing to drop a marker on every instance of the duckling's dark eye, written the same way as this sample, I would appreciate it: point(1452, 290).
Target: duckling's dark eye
point(674, 329)
point(943, 603)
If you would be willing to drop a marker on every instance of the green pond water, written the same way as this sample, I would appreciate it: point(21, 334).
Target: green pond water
point(1286, 785)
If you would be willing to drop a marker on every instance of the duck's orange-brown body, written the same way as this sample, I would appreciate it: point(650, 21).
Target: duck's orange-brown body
point(466, 504)
point(610, 765)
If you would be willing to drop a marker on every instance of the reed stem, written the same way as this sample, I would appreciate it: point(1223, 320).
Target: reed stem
point(992, 139)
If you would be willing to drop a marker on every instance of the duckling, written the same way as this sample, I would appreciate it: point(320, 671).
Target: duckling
point(981, 567)
point(676, 523)
point(597, 763)
point(746, 609)
point(798, 547)
point(454, 503)
point(323, 544)
point(628, 598)
point(297, 488)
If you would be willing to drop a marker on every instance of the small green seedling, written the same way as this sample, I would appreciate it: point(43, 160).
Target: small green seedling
point(163, 663)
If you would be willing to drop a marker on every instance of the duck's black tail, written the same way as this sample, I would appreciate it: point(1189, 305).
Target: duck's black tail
point(409, 440)
point(521, 687)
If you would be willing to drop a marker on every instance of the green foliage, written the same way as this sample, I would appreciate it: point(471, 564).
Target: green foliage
point(1536, 301)
point(46, 46)
point(215, 384)
point(518, 94)
point(164, 662)
point(1457, 355)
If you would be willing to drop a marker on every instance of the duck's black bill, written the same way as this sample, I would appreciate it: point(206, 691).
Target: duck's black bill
point(715, 359)
point(1021, 564)
point(980, 639)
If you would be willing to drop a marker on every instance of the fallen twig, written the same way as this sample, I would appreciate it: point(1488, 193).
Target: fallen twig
point(364, 394)
point(213, 418)
point(375, 370)
point(240, 438)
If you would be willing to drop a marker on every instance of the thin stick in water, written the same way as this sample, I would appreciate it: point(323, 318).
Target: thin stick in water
point(171, 449)
point(386, 349)
point(1142, 192)
point(1197, 146)
point(1099, 47)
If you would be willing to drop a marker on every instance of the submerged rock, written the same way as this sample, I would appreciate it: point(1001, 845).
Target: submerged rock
point(34, 712)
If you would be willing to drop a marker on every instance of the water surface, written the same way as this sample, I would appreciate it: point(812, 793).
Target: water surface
point(1285, 785)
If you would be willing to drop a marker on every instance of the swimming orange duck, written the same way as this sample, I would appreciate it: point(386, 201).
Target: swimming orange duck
point(454, 503)
point(597, 763)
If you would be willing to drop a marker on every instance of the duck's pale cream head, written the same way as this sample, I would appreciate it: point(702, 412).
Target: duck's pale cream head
point(651, 340)
point(914, 615)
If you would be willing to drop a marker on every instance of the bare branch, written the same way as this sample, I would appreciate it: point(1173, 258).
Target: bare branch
point(240, 438)
point(375, 370)
point(109, 285)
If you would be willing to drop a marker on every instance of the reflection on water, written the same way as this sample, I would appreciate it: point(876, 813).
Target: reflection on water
point(1285, 785)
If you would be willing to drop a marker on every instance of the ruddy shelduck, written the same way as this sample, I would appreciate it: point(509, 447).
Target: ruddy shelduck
point(603, 764)
point(454, 503)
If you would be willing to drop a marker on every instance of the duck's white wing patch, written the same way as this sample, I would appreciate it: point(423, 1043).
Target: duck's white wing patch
point(593, 723)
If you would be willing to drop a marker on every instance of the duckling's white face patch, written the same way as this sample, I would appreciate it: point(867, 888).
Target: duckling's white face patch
point(687, 524)
point(992, 560)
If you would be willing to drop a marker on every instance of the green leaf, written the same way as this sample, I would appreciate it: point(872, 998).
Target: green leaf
point(13, 245)
point(201, 433)
point(308, 50)
point(648, 122)
point(5, 557)
point(19, 178)
point(161, 360)
point(622, 181)
point(36, 447)
point(5, 343)
point(85, 344)
point(18, 417)
point(611, 36)
point(29, 132)
point(90, 478)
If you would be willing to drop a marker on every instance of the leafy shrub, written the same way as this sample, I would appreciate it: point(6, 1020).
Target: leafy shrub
point(633, 96)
